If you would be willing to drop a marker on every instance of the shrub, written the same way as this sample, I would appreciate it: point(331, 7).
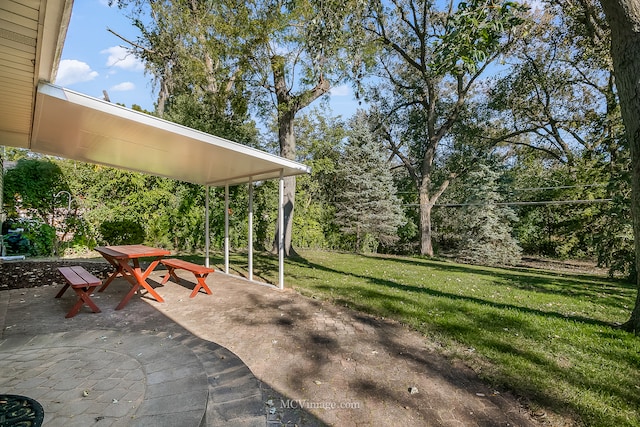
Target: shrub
point(122, 232)
point(30, 237)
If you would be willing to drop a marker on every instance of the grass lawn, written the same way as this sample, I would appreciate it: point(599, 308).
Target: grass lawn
point(548, 337)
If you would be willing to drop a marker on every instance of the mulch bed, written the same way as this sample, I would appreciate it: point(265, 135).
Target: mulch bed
point(33, 273)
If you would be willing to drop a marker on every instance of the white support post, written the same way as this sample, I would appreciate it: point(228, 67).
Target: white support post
point(226, 228)
point(250, 226)
point(207, 239)
point(281, 231)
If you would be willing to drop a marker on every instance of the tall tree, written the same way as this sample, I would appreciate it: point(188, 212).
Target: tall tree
point(319, 136)
point(296, 52)
point(283, 55)
point(431, 62)
point(199, 80)
point(366, 205)
point(624, 19)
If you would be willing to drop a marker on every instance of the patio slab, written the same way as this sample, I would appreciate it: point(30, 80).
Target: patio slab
point(132, 367)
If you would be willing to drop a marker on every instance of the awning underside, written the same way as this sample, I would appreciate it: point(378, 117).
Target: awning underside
point(75, 126)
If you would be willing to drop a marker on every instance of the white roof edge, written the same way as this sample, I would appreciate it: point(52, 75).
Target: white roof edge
point(85, 101)
point(138, 116)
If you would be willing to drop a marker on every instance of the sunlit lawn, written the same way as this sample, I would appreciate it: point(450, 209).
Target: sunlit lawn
point(548, 337)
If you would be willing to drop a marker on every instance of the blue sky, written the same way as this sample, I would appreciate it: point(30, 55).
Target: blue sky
point(94, 60)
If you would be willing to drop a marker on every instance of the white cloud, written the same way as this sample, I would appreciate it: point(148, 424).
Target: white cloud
point(119, 57)
point(342, 90)
point(72, 71)
point(123, 87)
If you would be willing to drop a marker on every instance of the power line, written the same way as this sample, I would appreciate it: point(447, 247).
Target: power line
point(559, 187)
point(544, 202)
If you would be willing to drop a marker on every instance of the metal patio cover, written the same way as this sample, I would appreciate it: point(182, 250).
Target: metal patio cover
point(52, 120)
point(79, 127)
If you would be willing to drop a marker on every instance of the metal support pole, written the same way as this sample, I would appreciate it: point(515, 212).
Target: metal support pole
point(281, 231)
point(68, 195)
point(207, 238)
point(226, 228)
point(250, 226)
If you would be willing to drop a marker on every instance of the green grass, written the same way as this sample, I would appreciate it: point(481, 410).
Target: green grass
point(548, 337)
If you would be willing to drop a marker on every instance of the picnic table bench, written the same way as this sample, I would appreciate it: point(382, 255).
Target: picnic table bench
point(199, 271)
point(83, 283)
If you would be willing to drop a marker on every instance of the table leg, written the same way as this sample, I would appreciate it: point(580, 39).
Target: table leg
point(137, 278)
point(119, 271)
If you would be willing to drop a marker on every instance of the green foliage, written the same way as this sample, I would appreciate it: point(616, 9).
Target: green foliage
point(600, 231)
point(558, 97)
point(35, 239)
point(612, 226)
point(31, 185)
point(485, 226)
point(197, 113)
point(473, 32)
point(318, 136)
point(277, 58)
point(265, 196)
point(432, 62)
point(42, 238)
point(309, 229)
point(122, 232)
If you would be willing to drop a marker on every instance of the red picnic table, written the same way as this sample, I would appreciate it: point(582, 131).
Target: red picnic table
point(126, 260)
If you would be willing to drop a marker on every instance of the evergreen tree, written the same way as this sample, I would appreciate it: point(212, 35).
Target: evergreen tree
point(366, 205)
point(486, 225)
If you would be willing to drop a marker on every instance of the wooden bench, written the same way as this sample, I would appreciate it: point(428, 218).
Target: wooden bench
point(83, 283)
point(200, 271)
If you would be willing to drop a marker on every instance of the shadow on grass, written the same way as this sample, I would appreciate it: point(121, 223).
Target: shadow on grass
point(578, 285)
point(455, 297)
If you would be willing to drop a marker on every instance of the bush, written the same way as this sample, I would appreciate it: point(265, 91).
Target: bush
point(30, 237)
point(122, 232)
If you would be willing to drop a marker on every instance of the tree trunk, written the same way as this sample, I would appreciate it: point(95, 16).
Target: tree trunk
point(426, 245)
point(288, 107)
point(288, 151)
point(427, 202)
point(623, 17)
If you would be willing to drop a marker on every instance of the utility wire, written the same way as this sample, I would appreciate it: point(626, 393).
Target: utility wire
point(544, 202)
point(559, 187)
